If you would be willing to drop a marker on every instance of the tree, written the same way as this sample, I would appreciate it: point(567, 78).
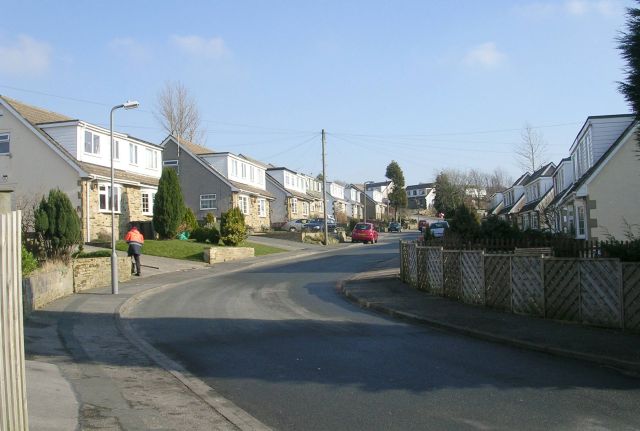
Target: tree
point(449, 195)
point(398, 195)
point(629, 45)
point(465, 223)
point(178, 113)
point(530, 152)
point(168, 205)
point(57, 226)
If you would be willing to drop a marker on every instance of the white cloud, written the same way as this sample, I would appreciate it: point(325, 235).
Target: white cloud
point(197, 46)
point(575, 8)
point(25, 56)
point(130, 48)
point(486, 55)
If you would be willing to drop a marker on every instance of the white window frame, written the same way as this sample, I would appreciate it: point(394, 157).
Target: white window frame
point(262, 207)
point(581, 221)
point(133, 154)
point(294, 205)
point(243, 170)
point(116, 150)
point(170, 163)
point(252, 174)
point(5, 139)
point(243, 204)
point(208, 197)
point(305, 208)
point(234, 168)
point(150, 194)
point(92, 146)
point(104, 190)
point(152, 159)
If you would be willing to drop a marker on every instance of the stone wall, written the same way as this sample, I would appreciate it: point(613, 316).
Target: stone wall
point(253, 220)
point(95, 272)
point(288, 236)
point(225, 254)
point(45, 285)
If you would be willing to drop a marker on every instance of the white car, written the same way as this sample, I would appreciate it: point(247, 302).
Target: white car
point(438, 228)
point(295, 225)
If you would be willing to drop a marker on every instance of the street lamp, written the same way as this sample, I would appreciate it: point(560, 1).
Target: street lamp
point(114, 260)
point(365, 199)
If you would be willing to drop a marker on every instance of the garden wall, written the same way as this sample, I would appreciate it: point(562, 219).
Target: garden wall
point(225, 254)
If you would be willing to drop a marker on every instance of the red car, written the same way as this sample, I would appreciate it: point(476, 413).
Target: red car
point(364, 232)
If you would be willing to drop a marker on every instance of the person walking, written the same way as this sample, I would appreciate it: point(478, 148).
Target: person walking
point(135, 240)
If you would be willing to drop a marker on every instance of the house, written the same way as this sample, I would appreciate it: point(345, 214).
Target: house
point(538, 193)
point(420, 196)
point(379, 194)
point(214, 182)
point(336, 203)
point(513, 199)
point(496, 204)
point(600, 141)
point(353, 198)
point(292, 201)
point(373, 205)
point(561, 218)
point(41, 150)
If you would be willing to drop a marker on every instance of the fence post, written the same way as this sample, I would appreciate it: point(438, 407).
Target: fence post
point(621, 287)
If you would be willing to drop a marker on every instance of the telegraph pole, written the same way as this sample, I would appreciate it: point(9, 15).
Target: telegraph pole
point(324, 192)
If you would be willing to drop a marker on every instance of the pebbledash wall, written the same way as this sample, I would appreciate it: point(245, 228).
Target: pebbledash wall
point(58, 280)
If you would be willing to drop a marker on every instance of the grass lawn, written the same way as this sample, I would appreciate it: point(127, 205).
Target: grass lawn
point(189, 250)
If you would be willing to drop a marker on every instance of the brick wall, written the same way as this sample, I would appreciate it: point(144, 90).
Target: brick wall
point(225, 254)
point(96, 272)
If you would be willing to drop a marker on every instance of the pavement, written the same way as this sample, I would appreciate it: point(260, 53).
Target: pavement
point(75, 346)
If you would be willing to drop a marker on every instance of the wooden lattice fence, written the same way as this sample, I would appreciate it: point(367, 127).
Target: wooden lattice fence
point(562, 289)
point(451, 272)
point(631, 295)
point(472, 275)
point(421, 259)
point(601, 292)
point(413, 264)
point(497, 277)
point(404, 261)
point(435, 270)
point(527, 291)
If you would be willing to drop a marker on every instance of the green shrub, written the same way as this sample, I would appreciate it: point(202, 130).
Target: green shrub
point(210, 220)
point(204, 234)
point(29, 262)
point(168, 205)
point(189, 222)
point(232, 228)
point(57, 226)
point(213, 235)
point(465, 223)
point(89, 254)
point(494, 227)
point(625, 251)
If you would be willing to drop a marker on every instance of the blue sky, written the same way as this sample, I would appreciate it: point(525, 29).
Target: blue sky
point(430, 84)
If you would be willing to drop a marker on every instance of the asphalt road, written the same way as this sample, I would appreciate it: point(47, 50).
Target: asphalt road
point(283, 345)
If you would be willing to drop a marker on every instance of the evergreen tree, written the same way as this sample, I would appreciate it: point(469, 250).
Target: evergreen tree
point(232, 228)
point(448, 197)
point(465, 223)
point(398, 195)
point(629, 44)
point(57, 226)
point(168, 205)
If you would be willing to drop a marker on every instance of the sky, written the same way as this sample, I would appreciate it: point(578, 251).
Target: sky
point(431, 84)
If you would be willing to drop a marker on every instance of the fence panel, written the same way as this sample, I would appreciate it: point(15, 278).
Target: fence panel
point(631, 295)
point(412, 264)
point(526, 285)
point(472, 273)
point(434, 272)
point(13, 395)
point(404, 261)
point(562, 289)
point(421, 256)
point(451, 273)
point(497, 278)
point(601, 292)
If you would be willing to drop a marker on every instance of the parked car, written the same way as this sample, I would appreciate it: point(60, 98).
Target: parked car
point(317, 225)
point(295, 225)
point(395, 226)
point(364, 232)
point(438, 228)
point(422, 225)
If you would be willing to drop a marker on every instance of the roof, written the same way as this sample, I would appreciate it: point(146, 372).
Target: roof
point(523, 179)
point(532, 205)
point(495, 208)
point(194, 148)
point(254, 161)
point(507, 210)
point(545, 171)
point(103, 171)
point(36, 115)
point(251, 190)
point(598, 117)
point(421, 186)
point(379, 184)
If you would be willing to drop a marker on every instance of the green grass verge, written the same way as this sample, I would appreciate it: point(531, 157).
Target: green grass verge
point(189, 250)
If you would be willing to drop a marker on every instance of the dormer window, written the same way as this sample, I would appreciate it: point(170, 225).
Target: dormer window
point(133, 154)
point(91, 143)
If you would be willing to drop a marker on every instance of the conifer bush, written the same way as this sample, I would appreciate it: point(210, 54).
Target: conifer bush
point(57, 226)
point(168, 205)
point(232, 228)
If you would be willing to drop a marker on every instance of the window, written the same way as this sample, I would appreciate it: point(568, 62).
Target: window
point(208, 202)
point(234, 168)
point(243, 167)
point(262, 207)
point(116, 150)
point(152, 159)
point(581, 221)
point(252, 173)
point(133, 154)
point(91, 143)
point(243, 204)
point(105, 197)
point(294, 205)
point(305, 208)
point(534, 221)
point(4, 143)
point(147, 201)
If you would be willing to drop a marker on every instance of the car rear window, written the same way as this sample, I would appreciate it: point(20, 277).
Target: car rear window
point(363, 226)
point(439, 225)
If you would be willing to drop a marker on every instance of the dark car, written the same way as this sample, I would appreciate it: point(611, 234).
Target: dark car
point(317, 225)
point(364, 232)
point(395, 226)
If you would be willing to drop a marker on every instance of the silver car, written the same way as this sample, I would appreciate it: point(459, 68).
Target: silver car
point(295, 225)
point(438, 228)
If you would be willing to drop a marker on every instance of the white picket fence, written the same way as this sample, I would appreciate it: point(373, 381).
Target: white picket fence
point(13, 394)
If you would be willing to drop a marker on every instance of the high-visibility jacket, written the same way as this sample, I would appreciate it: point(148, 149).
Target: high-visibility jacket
point(134, 235)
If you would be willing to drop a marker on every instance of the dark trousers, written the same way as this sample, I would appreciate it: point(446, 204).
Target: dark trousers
point(135, 268)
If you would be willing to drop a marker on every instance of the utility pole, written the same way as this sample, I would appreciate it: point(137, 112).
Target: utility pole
point(324, 192)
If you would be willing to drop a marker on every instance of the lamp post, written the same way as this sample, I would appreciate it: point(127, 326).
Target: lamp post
point(114, 261)
point(365, 199)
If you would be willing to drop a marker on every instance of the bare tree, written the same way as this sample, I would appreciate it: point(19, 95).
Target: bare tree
point(178, 113)
point(530, 152)
point(498, 181)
